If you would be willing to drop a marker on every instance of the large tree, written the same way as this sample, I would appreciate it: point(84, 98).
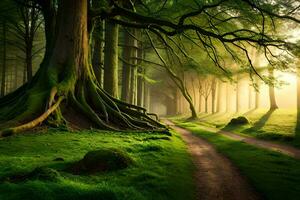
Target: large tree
point(66, 80)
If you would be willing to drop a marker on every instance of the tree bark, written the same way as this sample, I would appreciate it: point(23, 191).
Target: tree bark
point(219, 96)
point(237, 105)
point(273, 104)
point(126, 67)
point(3, 79)
point(140, 88)
point(213, 95)
point(146, 96)
point(200, 102)
point(227, 98)
point(206, 104)
point(297, 129)
point(111, 58)
point(257, 93)
point(97, 60)
point(134, 68)
point(249, 97)
point(194, 91)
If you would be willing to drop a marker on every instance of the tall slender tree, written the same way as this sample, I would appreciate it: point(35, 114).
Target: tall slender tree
point(273, 104)
point(213, 94)
point(219, 96)
point(111, 83)
point(97, 59)
point(3, 78)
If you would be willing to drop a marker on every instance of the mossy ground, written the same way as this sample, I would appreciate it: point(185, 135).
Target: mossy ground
point(277, 125)
point(162, 167)
point(274, 175)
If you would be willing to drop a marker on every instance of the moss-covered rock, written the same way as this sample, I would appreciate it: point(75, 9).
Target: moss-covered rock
point(100, 161)
point(39, 173)
point(44, 173)
point(241, 120)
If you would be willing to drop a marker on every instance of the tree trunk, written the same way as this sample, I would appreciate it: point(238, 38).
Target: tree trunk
point(141, 77)
point(97, 60)
point(297, 129)
point(249, 97)
point(182, 88)
point(134, 68)
point(206, 104)
point(146, 96)
point(3, 79)
point(29, 62)
point(126, 69)
point(66, 87)
point(227, 98)
point(140, 88)
point(273, 104)
point(200, 102)
point(219, 96)
point(237, 105)
point(111, 58)
point(213, 95)
point(257, 93)
point(194, 91)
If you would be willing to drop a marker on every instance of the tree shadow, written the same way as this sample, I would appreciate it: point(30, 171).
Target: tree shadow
point(261, 122)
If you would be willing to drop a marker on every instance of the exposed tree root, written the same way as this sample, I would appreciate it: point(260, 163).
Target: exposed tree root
point(33, 123)
point(87, 99)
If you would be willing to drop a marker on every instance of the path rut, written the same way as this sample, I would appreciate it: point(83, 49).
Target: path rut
point(216, 177)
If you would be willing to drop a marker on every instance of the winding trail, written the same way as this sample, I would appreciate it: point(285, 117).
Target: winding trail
point(281, 148)
point(216, 177)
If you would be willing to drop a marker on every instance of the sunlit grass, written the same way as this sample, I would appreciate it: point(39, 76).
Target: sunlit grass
point(274, 175)
point(162, 168)
point(278, 125)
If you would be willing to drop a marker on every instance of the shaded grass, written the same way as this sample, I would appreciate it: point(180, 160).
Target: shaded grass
point(274, 175)
point(162, 167)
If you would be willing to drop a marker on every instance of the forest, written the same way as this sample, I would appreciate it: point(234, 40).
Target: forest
point(149, 99)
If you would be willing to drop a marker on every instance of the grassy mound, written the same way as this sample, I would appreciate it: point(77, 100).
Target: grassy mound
point(100, 161)
point(241, 120)
point(39, 173)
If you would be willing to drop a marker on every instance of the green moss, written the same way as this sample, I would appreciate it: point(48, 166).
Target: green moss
point(101, 160)
point(241, 120)
point(156, 174)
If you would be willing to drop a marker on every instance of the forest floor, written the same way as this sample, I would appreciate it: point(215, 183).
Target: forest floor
point(274, 176)
point(215, 175)
point(162, 167)
point(276, 126)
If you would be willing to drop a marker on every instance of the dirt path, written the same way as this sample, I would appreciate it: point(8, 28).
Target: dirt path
point(216, 177)
point(284, 149)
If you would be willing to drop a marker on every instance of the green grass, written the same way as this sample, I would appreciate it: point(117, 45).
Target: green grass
point(276, 126)
point(274, 175)
point(162, 167)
